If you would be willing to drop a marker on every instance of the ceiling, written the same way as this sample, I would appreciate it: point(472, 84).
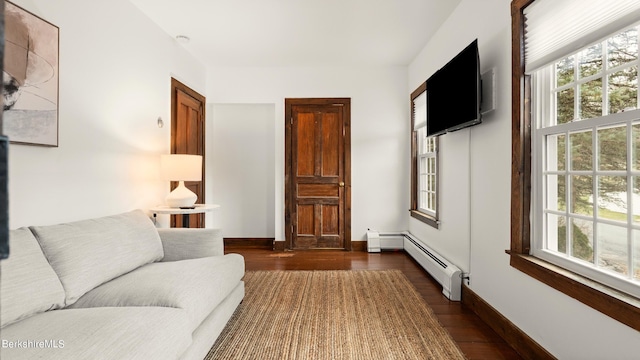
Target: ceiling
point(301, 32)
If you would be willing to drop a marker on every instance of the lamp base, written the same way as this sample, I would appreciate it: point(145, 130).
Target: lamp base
point(181, 197)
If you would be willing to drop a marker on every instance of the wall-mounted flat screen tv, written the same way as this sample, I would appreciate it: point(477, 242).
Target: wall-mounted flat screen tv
point(454, 93)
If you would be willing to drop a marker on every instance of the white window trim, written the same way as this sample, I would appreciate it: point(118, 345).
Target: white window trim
point(544, 109)
point(539, 237)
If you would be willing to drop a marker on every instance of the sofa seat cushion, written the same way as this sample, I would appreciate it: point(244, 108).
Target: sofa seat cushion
point(28, 284)
point(88, 253)
point(98, 333)
point(195, 285)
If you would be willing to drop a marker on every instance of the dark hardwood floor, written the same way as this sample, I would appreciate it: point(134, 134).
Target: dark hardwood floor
point(475, 338)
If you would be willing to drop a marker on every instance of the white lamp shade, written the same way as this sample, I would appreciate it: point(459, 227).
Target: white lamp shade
point(181, 167)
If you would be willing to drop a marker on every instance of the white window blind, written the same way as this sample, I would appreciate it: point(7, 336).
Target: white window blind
point(420, 111)
point(557, 28)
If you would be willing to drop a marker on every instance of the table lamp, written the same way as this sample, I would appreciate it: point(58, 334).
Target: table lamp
point(181, 168)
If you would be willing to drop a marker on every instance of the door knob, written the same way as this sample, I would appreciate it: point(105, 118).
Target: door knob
point(341, 184)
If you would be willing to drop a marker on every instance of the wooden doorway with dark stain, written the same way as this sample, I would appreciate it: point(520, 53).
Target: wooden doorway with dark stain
point(188, 137)
point(318, 174)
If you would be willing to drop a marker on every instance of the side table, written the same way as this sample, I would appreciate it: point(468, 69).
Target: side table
point(198, 208)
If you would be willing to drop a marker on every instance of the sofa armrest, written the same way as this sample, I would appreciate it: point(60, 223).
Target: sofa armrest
point(181, 243)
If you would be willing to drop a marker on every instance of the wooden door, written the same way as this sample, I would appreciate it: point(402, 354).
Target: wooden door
point(187, 137)
point(317, 174)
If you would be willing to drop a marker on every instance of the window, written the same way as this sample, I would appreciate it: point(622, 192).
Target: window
point(576, 151)
point(426, 172)
point(586, 179)
point(424, 165)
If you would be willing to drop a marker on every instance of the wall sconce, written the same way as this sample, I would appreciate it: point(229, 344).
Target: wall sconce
point(160, 122)
point(183, 39)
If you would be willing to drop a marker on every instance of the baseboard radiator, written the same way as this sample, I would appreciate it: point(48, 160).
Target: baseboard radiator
point(443, 271)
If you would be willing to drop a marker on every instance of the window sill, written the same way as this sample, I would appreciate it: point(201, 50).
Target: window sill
point(613, 303)
point(429, 220)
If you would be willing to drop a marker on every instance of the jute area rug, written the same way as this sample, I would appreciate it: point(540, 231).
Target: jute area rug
point(362, 314)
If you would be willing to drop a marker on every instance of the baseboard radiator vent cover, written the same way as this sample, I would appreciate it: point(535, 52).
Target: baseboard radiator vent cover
point(443, 271)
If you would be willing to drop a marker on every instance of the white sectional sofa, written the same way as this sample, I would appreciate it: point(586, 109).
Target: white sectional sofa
point(116, 288)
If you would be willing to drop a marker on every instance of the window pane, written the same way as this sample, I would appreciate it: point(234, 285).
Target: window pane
point(636, 255)
point(636, 146)
point(565, 105)
point(582, 239)
point(582, 195)
point(636, 199)
point(427, 204)
point(581, 150)
point(612, 198)
point(612, 148)
point(623, 90)
point(612, 248)
point(591, 99)
point(422, 140)
point(623, 47)
point(556, 151)
point(556, 192)
point(590, 61)
point(564, 71)
point(557, 233)
point(431, 144)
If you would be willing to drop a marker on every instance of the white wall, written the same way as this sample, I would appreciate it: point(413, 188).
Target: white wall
point(115, 70)
point(564, 326)
point(242, 163)
point(379, 131)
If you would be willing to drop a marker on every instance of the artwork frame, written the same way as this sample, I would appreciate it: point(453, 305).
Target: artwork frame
point(30, 78)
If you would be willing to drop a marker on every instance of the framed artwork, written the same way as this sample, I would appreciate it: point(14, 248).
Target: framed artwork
point(30, 78)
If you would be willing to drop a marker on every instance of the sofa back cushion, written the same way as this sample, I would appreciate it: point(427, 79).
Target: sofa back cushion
point(28, 284)
point(88, 253)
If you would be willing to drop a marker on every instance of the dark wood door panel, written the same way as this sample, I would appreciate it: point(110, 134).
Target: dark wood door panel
point(305, 140)
point(306, 223)
point(318, 190)
point(330, 220)
point(318, 141)
point(331, 149)
point(316, 173)
point(313, 234)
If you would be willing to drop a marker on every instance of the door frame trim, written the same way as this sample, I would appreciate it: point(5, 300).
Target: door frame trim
point(175, 86)
point(288, 155)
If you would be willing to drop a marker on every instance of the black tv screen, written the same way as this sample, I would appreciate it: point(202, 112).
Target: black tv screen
point(453, 93)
